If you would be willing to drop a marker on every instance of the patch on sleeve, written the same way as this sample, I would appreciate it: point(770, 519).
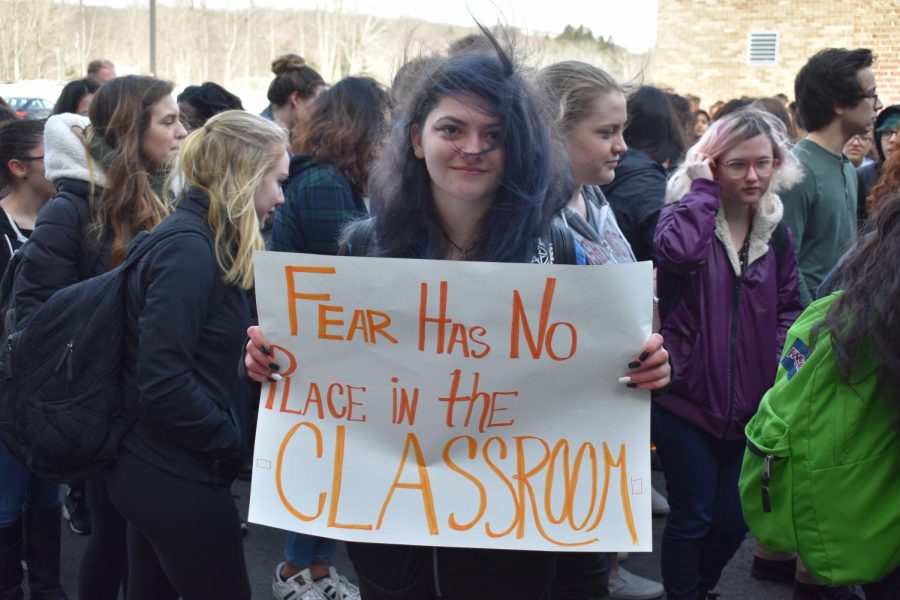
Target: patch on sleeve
point(795, 358)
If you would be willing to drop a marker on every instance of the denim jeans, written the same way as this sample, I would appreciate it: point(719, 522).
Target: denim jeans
point(302, 550)
point(705, 526)
point(22, 489)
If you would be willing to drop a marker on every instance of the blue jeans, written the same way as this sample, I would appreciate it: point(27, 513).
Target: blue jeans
point(705, 526)
point(22, 489)
point(302, 550)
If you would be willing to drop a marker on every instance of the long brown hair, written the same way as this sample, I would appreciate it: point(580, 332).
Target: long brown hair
point(345, 128)
point(120, 113)
point(865, 319)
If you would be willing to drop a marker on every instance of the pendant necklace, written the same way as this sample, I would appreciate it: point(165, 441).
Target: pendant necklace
point(463, 251)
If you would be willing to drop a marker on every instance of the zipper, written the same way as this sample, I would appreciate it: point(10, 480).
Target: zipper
point(8, 358)
point(732, 346)
point(437, 580)
point(67, 359)
point(765, 478)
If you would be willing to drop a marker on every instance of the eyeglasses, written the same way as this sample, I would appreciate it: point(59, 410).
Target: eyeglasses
point(873, 96)
point(41, 157)
point(738, 169)
point(862, 139)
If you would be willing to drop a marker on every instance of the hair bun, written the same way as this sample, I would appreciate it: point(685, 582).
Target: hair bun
point(287, 62)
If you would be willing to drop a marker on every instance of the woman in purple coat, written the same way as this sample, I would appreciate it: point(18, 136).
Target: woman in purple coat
point(727, 283)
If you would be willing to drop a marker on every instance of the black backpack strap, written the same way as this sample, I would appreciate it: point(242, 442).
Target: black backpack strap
point(563, 245)
point(780, 240)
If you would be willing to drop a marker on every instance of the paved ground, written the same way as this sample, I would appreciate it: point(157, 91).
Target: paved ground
point(264, 545)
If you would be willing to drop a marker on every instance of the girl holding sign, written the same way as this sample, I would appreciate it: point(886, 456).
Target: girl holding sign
point(589, 110)
point(728, 293)
point(468, 173)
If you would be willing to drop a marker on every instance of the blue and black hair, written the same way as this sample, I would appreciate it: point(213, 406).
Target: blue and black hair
point(535, 182)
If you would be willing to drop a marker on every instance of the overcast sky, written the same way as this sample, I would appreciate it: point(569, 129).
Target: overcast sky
point(630, 23)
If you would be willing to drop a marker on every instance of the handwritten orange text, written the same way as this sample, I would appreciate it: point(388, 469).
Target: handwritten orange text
point(530, 473)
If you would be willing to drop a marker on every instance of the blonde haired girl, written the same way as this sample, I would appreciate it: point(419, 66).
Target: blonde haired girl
point(186, 313)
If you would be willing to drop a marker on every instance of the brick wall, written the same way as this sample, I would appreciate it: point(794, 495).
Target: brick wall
point(702, 44)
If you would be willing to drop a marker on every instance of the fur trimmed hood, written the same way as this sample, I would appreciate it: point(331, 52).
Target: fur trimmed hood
point(65, 154)
point(768, 214)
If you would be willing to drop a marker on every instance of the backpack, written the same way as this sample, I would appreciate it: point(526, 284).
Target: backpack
point(61, 391)
point(821, 473)
point(561, 250)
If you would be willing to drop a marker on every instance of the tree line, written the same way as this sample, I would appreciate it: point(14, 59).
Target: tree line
point(52, 39)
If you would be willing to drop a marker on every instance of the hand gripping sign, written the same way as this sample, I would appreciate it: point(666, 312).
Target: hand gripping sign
point(453, 403)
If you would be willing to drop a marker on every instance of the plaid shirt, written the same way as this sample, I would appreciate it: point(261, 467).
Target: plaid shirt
point(318, 202)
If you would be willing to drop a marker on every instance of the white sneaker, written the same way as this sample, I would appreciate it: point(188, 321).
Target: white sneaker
point(658, 503)
point(337, 587)
point(298, 587)
point(628, 586)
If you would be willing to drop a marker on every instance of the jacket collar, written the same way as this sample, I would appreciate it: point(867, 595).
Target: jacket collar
point(195, 202)
point(769, 212)
point(65, 154)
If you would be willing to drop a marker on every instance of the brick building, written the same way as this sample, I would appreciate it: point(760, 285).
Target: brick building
point(722, 49)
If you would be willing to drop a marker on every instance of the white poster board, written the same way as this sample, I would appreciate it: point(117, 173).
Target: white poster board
point(454, 403)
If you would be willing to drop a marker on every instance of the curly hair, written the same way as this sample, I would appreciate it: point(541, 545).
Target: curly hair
point(888, 183)
point(345, 128)
point(865, 319)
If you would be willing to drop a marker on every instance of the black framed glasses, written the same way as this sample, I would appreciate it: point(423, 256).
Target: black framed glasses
point(26, 158)
point(738, 169)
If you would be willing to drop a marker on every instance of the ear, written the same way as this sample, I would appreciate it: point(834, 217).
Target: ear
point(17, 167)
point(295, 99)
point(415, 136)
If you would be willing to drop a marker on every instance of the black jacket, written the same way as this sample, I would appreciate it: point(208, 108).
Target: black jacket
point(11, 238)
point(636, 195)
point(61, 250)
point(183, 336)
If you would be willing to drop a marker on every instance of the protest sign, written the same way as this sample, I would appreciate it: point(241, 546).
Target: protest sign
point(454, 403)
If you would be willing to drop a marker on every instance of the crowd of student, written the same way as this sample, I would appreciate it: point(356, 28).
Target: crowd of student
point(465, 158)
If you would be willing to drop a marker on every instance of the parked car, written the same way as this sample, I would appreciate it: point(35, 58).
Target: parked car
point(31, 108)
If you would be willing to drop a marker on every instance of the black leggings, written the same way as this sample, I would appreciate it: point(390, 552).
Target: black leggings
point(103, 565)
point(184, 537)
point(393, 572)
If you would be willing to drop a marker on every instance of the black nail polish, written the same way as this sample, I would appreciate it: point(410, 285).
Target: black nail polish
point(634, 365)
point(274, 366)
point(644, 356)
point(266, 350)
point(631, 385)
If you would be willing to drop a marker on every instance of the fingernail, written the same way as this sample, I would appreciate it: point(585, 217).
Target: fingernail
point(266, 350)
point(274, 366)
point(632, 385)
point(634, 365)
point(276, 377)
point(625, 379)
point(644, 356)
